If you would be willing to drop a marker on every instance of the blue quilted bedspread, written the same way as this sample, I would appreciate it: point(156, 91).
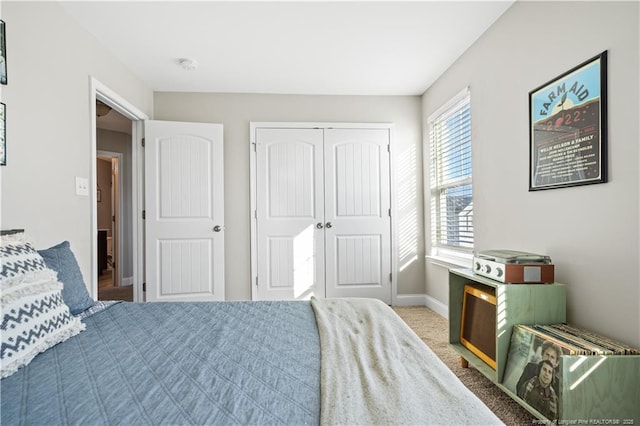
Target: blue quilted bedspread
point(176, 363)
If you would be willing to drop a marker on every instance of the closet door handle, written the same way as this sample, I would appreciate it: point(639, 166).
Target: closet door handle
point(319, 225)
point(217, 228)
point(328, 225)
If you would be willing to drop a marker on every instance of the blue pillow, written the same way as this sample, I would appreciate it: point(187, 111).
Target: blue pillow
point(61, 259)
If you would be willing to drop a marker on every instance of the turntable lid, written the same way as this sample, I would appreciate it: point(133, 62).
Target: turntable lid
point(513, 256)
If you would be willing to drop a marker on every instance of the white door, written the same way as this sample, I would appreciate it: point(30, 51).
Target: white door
point(184, 211)
point(357, 213)
point(322, 213)
point(289, 200)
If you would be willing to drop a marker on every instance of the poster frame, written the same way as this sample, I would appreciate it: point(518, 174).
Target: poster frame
point(569, 147)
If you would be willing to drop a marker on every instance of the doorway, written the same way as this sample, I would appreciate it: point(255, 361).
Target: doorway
point(127, 238)
point(114, 281)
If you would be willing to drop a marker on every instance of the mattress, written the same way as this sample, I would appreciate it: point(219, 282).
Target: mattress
point(176, 363)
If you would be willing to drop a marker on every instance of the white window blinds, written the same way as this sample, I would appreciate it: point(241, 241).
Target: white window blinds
point(451, 174)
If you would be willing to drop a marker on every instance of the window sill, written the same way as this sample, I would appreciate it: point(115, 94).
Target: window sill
point(450, 261)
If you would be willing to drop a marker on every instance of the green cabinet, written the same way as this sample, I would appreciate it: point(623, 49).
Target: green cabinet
point(594, 389)
point(515, 304)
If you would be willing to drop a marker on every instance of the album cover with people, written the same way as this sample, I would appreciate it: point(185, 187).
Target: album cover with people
point(533, 369)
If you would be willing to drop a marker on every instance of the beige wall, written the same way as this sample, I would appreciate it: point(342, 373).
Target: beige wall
point(591, 232)
point(236, 111)
point(50, 60)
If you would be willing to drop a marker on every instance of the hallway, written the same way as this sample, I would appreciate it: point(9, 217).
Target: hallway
point(106, 290)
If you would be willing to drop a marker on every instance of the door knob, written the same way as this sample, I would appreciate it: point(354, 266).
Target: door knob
point(319, 225)
point(328, 225)
point(217, 228)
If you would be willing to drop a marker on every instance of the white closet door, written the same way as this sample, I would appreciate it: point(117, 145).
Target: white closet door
point(184, 211)
point(357, 220)
point(290, 204)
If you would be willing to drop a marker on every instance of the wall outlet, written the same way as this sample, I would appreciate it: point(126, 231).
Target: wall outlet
point(82, 186)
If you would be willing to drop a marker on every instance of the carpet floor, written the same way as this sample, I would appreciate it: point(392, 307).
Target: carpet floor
point(433, 329)
point(107, 291)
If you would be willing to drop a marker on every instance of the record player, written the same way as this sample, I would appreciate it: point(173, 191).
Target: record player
point(516, 267)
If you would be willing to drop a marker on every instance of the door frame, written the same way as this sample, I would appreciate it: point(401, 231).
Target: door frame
point(99, 91)
point(254, 125)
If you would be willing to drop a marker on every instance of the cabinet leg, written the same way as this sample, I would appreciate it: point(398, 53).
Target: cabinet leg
point(464, 363)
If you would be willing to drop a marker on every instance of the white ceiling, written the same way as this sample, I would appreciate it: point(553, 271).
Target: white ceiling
point(332, 48)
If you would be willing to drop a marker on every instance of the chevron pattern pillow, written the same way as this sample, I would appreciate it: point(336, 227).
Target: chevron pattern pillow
point(19, 257)
point(34, 315)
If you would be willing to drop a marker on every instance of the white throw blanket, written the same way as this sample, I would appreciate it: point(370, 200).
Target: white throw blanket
point(376, 371)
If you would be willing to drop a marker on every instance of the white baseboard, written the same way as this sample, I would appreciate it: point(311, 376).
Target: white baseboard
point(423, 300)
point(437, 306)
point(411, 300)
point(127, 281)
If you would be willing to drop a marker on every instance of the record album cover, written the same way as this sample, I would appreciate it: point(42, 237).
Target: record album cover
point(533, 370)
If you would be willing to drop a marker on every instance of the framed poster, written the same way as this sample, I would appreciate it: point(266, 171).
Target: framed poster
point(568, 128)
point(3, 55)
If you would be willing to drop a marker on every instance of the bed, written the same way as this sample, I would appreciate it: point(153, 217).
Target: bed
point(323, 361)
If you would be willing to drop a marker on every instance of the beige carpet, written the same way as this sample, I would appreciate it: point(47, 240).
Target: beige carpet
point(434, 331)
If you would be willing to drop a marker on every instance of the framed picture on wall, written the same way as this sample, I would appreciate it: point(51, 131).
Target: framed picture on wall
point(3, 135)
point(3, 55)
point(568, 128)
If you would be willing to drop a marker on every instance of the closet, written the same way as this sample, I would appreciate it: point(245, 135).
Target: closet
point(322, 214)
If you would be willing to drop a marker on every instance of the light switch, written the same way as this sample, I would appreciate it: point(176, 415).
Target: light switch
point(82, 186)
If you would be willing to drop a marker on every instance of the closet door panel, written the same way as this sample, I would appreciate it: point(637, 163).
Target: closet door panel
point(290, 203)
point(357, 180)
point(357, 203)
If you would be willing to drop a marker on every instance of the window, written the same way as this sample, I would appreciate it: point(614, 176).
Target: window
point(451, 185)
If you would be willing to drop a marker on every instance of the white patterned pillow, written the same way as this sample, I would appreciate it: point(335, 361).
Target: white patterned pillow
point(18, 256)
point(34, 315)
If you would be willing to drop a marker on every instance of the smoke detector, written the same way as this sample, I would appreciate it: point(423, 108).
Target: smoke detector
point(188, 64)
